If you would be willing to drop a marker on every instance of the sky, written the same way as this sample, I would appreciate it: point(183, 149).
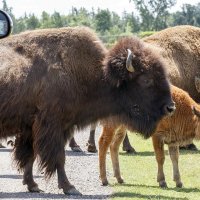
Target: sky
point(64, 6)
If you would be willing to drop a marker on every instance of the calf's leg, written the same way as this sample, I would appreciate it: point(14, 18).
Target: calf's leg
point(158, 145)
point(174, 155)
point(104, 143)
point(114, 152)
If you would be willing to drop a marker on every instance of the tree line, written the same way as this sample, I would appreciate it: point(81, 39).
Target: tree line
point(153, 15)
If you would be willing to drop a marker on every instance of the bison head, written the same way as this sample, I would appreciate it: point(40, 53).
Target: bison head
point(139, 84)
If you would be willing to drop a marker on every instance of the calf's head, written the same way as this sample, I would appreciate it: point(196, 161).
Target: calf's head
point(139, 84)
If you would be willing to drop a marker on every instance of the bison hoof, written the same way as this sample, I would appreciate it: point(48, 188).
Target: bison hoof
point(179, 185)
point(163, 184)
point(91, 148)
point(72, 191)
point(129, 149)
point(120, 180)
point(34, 189)
point(76, 149)
point(105, 182)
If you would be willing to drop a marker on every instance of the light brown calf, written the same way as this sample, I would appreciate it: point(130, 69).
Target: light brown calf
point(178, 129)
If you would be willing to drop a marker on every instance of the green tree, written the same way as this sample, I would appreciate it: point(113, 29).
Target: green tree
point(128, 19)
point(189, 15)
point(56, 20)
point(46, 20)
point(197, 15)
point(103, 20)
point(20, 24)
point(154, 13)
point(32, 22)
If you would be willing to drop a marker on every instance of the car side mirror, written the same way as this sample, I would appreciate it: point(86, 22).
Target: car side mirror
point(6, 24)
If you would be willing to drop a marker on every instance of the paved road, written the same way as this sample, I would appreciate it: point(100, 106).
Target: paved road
point(81, 169)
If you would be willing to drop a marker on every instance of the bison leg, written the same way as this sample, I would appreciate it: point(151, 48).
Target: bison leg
point(28, 177)
point(104, 142)
point(127, 146)
point(174, 155)
point(91, 147)
point(74, 146)
point(158, 145)
point(49, 144)
point(25, 157)
point(114, 152)
point(63, 181)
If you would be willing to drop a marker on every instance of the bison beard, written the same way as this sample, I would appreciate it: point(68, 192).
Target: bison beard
point(53, 81)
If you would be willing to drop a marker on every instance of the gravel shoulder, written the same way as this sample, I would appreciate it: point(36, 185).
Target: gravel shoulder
point(81, 168)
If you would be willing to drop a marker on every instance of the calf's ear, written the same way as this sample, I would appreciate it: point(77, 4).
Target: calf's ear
point(195, 111)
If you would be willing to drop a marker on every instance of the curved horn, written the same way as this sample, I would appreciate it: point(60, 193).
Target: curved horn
point(129, 59)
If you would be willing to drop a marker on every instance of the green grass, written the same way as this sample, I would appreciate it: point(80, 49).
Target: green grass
point(140, 172)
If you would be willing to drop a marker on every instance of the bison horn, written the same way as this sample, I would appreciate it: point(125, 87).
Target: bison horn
point(196, 112)
point(129, 59)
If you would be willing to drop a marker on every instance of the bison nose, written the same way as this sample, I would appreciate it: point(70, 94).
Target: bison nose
point(170, 108)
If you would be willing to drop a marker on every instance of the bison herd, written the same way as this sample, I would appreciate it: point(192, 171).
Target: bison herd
point(55, 81)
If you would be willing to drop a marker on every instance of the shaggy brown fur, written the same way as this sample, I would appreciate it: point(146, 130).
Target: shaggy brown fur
point(179, 129)
point(180, 48)
point(54, 81)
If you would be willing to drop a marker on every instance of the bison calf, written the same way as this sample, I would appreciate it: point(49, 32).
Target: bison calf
point(57, 80)
point(179, 129)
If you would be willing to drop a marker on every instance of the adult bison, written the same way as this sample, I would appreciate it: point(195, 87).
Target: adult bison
point(54, 81)
point(180, 48)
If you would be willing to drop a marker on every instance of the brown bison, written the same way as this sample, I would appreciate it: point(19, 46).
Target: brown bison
point(58, 80)
point(179, 129)
point(180, 48)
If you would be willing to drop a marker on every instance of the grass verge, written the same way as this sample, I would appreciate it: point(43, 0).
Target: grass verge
point(140, 172)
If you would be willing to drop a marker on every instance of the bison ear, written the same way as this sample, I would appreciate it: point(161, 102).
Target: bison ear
point(129, 60)
point(195, 111)
point(197, 83)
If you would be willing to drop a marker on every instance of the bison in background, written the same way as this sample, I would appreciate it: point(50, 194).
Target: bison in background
point(180, 48)
point(54, 81)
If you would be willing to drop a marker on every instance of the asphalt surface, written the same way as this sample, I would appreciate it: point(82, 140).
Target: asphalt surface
point(81, 168)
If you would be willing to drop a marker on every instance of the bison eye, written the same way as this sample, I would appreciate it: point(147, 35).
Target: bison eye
point(148, 82)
